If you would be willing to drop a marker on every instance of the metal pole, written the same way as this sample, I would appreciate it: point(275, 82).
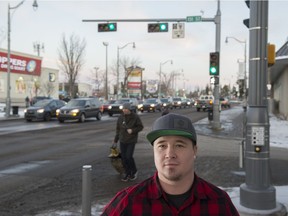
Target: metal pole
point(216, 125)
point(106, 72)
point(160, 82)
point(117, 85)
point(86, 190)
point(118, 48)
point(257, 191)
point(8, 99)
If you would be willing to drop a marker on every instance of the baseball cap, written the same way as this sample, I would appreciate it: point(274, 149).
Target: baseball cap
point(126, 106)
point(172, 124)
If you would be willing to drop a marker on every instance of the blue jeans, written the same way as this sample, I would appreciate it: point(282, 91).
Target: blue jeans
point(127, 151)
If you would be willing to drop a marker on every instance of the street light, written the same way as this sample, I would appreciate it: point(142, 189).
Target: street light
point(118, 48)
point(106, 72)
point(160, 75)
point(8, 98)
point(245, 72)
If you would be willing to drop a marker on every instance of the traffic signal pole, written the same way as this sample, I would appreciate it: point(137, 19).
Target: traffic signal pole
point(257, 193)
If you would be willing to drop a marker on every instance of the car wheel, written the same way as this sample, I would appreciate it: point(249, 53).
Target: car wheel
point(28, 120)
point(110, 114)
point(61, 121)
point(47, 117)
point(99, 116)
point(82, 118)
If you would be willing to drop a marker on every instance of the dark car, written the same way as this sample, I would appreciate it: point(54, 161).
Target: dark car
point(117, 107)
point(151, 104)
point(43, 110)
point(80, 109)
point(167, 103)
point(106, 104)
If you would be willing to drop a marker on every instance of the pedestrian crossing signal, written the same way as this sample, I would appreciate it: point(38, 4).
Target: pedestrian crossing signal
point(107, 27)
point(157, 27)
point(214, 64)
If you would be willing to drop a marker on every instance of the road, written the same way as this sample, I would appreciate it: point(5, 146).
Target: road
point(41, 162)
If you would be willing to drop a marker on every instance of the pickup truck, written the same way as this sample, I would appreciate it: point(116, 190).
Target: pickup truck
point(204, 102)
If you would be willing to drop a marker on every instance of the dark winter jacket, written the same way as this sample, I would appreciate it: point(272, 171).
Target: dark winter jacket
point(124, 122)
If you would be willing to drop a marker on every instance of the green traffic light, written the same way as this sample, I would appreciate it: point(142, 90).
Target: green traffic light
point(213, 70)
point(111, 26)
point(163, 27)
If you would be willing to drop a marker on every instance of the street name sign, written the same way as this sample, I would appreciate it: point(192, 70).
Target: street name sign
point(193, 19)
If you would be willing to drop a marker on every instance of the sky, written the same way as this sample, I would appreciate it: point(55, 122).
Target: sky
point(190, 55)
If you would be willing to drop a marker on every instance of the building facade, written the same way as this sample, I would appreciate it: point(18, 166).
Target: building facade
point(27, 78)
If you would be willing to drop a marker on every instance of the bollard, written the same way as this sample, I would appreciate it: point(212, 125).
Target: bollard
point(86, 190)
point(241, 152)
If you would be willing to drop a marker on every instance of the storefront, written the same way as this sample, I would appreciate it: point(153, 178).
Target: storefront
point(27, 78)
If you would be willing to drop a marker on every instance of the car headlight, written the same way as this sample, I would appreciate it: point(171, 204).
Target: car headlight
point(140, 105)
point(57, 112)
point(121, 107)
point(109, 107)
point(179, 102)
point(74, 112)
point(152, 105)
point(40, 111)
point(25, 110)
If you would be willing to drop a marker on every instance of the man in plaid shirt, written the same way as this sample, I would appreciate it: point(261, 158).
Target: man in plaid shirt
point(174, 189)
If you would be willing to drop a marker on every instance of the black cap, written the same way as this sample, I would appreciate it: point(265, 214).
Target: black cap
point(126, 106)
point(172, 125)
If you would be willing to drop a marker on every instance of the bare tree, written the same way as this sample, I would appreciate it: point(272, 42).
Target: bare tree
point(71, 57)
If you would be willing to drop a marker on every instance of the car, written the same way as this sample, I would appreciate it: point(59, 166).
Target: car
point(38, 98)
point(106, 104)
point(43, 110)
point(167, 103)
point(177, 102)
point(80, 109)
point(186, 102)
point(117, 107)
point(151, 104)
point(225, 103)
point(204, 102)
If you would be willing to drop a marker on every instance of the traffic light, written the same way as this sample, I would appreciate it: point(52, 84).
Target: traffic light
point(214, 64)
point(107, 27)
point(157, 27)
point(246, 22)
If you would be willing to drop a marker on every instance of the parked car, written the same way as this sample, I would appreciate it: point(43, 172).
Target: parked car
point(117, 107)
point(204, 102)
point(80, 109)
point(38, 98)
point(151, 104)
point(106, 104)
point(224, 102)
point(43, 110)
point(167, 103)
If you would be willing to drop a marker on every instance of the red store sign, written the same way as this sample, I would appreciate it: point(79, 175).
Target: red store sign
point(20, 64)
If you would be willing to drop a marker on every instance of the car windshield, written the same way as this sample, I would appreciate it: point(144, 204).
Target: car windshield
point(122, 101)
point(164, 100)
point(75, 103)
point(150, 101)
point(176, 99)
point(42, 103)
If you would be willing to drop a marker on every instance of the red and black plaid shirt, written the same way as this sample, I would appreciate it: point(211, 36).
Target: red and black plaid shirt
point(147, 198)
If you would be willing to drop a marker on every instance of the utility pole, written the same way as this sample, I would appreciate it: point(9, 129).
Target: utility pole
point(257, 192)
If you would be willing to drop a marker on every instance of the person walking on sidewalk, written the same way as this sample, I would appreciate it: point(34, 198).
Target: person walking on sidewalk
point(175, 189)
point(128, 126)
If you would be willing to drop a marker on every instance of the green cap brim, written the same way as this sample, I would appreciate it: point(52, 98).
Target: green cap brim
point(153, 135)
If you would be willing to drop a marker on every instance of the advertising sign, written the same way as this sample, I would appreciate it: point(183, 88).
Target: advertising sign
point(20, 64)
point(152, 86)
point(134, 78)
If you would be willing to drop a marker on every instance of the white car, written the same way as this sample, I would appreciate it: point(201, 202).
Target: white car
point(2, 107)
